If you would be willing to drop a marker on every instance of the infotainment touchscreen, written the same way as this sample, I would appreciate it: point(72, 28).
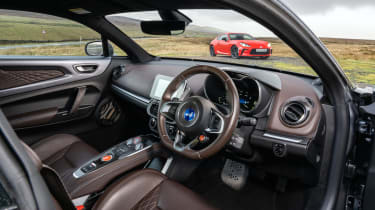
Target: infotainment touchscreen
point(161, 83)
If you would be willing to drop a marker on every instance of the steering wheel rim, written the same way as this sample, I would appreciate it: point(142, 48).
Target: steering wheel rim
point(228, 122)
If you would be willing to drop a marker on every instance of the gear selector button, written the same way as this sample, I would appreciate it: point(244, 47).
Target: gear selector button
point(106, 158)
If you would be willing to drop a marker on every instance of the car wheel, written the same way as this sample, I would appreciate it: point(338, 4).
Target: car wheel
point(234, 52)
point(212, 51)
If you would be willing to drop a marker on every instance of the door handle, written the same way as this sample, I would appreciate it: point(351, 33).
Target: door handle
point(85, 68)
point(77, 101)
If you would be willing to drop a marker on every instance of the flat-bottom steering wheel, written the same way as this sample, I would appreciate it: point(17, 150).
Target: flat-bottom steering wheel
point(197, 117)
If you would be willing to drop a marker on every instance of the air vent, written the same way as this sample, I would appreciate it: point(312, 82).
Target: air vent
point(154, 109)
point(294, 113)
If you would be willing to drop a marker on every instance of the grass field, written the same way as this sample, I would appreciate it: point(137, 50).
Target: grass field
point(16, 29)
point(357, 57)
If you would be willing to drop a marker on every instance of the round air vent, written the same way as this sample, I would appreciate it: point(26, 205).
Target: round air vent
point(294, 113)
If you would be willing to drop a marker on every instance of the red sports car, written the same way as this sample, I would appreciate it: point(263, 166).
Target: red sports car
point(239, 44)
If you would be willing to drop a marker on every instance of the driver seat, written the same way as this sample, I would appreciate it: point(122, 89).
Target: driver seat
point(148, 189)
point(145, 189)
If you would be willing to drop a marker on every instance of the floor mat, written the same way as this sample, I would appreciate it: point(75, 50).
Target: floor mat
point(256, 194)
point(208, 184)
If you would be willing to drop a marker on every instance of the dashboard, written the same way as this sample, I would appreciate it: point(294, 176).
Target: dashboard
point(285, 110)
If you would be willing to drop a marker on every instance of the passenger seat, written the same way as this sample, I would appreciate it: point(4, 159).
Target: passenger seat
point(64, 153)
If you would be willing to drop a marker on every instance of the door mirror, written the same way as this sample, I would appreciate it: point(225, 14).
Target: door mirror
point(168, 27)
point(95, 48)
point(225, 39)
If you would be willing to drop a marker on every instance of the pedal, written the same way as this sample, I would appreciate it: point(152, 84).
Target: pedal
point(234, 174)
point(281, 184)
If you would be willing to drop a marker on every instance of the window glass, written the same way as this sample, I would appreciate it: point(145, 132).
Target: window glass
point(250, 43)
point(117, 51)
point(240, 37)
point(347, 29)
point(27, 33)
point(223, 37)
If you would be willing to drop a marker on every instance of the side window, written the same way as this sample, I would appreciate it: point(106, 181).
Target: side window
point(117, 51)
point(33, 34)
point(224, 37)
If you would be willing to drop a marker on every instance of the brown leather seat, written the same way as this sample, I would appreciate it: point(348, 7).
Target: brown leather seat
point(145, 189)
point(64, 153)
point(148, 189)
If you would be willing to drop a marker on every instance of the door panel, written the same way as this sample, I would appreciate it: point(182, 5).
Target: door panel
point(220, 46)
point(52, 108)
point(35, 118)
point(33, 65)
point(49, 91)
point(226, 47)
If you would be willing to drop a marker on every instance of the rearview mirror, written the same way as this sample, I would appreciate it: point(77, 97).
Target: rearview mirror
point(95, 48)
point(168, 27)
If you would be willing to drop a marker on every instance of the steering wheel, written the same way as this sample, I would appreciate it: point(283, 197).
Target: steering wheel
point(197, 117)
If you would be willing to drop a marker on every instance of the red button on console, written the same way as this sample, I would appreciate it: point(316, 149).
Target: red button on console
point(202, 138)
point(106, 158)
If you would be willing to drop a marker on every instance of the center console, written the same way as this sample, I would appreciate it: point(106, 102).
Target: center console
point(118, 152)
point(96, 173)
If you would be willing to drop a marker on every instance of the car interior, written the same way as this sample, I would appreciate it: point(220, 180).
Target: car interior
point(145, 132)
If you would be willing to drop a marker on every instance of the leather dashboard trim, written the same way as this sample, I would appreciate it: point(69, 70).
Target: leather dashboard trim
point(292, 87)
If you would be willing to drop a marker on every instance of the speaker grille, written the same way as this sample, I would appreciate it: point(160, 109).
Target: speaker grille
point(109, 112)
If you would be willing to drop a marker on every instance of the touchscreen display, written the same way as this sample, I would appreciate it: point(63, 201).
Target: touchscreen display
point(161, 83)
point(161, 86)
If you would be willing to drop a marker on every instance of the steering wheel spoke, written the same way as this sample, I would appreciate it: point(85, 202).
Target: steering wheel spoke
point(216, 123)
point(168, 109)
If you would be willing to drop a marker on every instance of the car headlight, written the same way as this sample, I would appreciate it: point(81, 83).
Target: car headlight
point(269, 45)
point(244, 45)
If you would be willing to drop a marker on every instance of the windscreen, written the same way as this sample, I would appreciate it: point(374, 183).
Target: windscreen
point(230, 37)
point(240, 37)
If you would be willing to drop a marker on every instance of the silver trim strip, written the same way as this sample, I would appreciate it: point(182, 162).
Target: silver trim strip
point(282, 138)
point(80, 201)
point(220, 130)
point(136, 152)
point(127, 93)
point(167, 164)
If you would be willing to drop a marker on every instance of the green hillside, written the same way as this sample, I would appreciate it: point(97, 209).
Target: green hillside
point(15, 29)
point(25, 28)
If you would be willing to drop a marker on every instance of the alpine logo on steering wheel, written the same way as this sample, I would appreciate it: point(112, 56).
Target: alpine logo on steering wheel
point(189, 114)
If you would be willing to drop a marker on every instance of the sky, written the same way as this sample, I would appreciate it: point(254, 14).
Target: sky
point(327, 18)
